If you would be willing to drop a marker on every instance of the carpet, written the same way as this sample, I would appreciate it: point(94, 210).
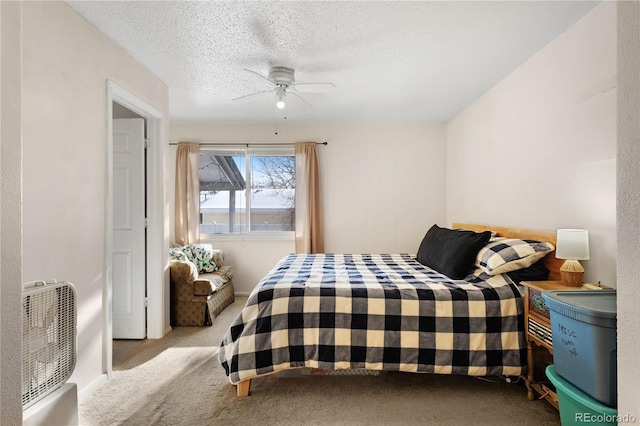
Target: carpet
point(177, 380)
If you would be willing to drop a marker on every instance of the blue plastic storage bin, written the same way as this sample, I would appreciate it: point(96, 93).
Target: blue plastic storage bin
point(578, 408)
point(583, 328)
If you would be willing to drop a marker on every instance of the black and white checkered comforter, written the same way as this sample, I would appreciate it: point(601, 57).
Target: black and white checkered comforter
point(380, 312)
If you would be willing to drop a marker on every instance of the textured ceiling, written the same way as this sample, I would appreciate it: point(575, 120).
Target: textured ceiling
point(390, 61)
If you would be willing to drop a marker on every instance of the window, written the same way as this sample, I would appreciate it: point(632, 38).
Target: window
point(227, 207)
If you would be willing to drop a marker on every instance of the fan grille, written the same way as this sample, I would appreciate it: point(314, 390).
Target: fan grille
point(48, 338)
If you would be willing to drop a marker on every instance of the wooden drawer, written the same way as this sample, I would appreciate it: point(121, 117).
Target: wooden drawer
point(540, 330)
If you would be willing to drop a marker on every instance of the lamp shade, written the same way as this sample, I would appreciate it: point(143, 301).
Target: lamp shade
point(572, 244)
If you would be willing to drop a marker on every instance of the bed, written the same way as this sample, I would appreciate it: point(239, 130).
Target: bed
point(383, 312)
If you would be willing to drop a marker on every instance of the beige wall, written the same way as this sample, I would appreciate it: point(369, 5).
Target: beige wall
point(565, 128)
point(67, 63)
point(539, 149)
point(628, 202)
point(10, 214)
point(383, 186)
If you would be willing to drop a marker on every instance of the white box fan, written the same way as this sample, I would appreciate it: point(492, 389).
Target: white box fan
point(49, 350)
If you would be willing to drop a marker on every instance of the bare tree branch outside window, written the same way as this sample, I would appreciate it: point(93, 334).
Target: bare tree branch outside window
point(277, 173)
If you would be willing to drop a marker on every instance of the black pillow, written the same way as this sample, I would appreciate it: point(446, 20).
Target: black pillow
point(535, 272)
point(451, 252)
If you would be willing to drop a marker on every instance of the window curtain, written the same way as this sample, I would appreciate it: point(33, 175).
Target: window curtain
point(309, 234)
point(187, 209)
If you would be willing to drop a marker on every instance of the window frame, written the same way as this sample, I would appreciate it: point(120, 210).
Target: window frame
point(248, 152)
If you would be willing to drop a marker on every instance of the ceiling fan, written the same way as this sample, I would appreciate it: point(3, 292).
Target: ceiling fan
point(283, 81)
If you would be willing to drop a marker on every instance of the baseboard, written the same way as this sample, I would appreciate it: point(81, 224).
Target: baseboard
point(60, 407)
point(85, 391)
point(166, 331)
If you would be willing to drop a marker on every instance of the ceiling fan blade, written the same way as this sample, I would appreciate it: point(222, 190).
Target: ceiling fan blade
point(259, 75)
point(301, 98)
point(252, 94)
point(314, 87)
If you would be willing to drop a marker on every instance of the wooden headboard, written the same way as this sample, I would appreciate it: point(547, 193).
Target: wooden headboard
point(549, 260)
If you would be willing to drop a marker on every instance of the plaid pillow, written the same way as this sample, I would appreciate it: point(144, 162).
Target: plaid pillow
point(503, 255)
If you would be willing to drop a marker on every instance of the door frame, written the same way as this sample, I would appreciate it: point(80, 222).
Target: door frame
point(155, 213)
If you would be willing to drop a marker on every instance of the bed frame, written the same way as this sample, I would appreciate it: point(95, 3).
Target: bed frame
point(550, 261)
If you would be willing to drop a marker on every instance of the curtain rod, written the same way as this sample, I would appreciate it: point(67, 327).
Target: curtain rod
point(247, 144)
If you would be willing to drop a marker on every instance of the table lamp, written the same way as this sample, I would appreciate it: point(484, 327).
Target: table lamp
point(572, 245)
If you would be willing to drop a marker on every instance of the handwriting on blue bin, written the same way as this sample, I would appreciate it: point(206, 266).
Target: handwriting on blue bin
point(567, 339)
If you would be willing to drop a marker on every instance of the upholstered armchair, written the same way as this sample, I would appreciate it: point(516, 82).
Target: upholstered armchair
point(198, 297)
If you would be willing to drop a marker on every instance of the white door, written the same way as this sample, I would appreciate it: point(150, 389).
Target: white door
point(129, 259)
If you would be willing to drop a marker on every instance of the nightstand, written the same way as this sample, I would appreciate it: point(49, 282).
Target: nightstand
point(538, 335)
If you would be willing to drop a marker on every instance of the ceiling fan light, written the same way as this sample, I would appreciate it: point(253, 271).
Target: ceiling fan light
point(280, 94)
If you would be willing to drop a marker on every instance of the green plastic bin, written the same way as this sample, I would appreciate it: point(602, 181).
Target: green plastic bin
point(578, 408)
